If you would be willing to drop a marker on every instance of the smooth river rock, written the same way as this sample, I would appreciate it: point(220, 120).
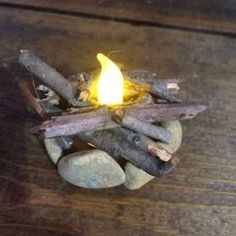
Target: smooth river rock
point(55, 147)
point(135, 178)
point(175, 128)
point(91, 169)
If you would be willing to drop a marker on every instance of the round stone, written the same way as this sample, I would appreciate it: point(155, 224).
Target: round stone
point(91, 169)
point(54, 150)
point(175, 128)
point(135, 178)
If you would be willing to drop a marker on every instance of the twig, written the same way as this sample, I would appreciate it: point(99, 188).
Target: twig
point(73, 124)
point(31, 100)
point(142, 127)
point(162, 112)
point(50, 77)
point(115, 145)
point(158, 87)
point(101, 119)
point(143, 142)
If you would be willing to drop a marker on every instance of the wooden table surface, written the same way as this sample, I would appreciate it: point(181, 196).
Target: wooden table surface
point(199, 198)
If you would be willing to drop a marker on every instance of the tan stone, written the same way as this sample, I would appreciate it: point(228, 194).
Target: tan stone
point(135, 178)
point(91, 169)
point(175, 128)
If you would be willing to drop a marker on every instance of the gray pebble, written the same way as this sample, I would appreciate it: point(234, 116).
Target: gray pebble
point(175, 128)
point(91, 169)
point(54, 150)
point(135, 178)
point(56, 146)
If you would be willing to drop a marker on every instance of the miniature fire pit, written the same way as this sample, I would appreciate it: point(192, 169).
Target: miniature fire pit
point(130, 115)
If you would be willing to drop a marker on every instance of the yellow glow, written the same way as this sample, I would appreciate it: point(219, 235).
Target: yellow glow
point(110, 82)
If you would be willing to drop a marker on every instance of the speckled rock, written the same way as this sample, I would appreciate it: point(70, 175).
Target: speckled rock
point(56, 146)
point(91, 169)
point(135, 178)
point(175, 128)
point(53, 149)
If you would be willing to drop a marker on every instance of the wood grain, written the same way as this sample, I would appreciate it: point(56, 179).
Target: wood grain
point(199, 198)
point(217, 17)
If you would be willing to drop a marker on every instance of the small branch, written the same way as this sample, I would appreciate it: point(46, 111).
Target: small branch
point(77, 110)
point(31, 100)
point(143, 142)
point(143, 76)
point(73, 124)
point(50, 77)
point(43, 108)
point(142, 127)
point(115, 145)
point(158, 87)
point(162, 112)
point(101, 119)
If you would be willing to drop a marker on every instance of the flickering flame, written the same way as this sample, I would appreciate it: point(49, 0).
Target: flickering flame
point(110, 86)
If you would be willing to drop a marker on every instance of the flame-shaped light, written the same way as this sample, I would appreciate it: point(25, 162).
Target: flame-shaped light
point(110, 82)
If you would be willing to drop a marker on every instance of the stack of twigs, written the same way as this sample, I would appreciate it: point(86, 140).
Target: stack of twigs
point(132, 130)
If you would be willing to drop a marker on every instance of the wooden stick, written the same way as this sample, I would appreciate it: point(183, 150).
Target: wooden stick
point(31, 100)
point(43, 108)
point(143, 76)
point(142, 127)
point(50, 77)
point(73, 124)
point(101, 119)
point(115, 145)
point(162, 112)
point(159, 90)
point(144, 143)
point(158, 87)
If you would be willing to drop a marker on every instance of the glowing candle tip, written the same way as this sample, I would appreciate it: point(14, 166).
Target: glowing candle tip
point(110, 82)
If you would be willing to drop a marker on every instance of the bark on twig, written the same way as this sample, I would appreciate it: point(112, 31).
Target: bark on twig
point(115, 145)
point(50, 77)
point(101, 119)
point(31, 100)
point(158, 87)
point(161, 112)
point(73, 124)
point(143, 142)
point(43, 108)
point(143, 127)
